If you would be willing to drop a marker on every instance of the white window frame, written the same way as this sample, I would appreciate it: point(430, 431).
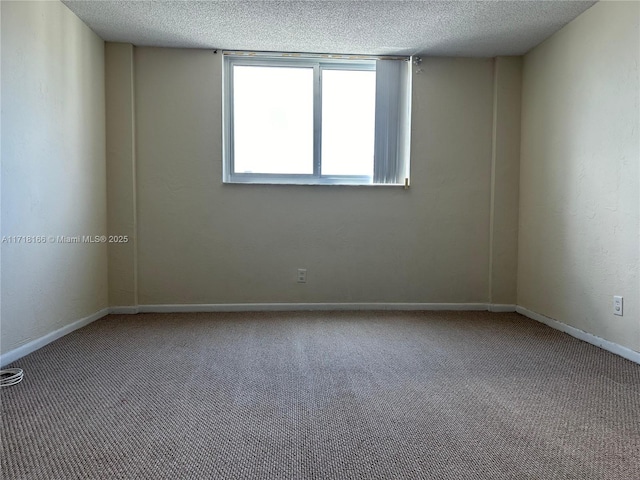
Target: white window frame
point(399, 143)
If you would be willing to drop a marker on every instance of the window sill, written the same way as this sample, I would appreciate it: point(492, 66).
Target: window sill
point(313, 184)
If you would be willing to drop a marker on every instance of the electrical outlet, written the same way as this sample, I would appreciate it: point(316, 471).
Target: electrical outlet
point(617, 305)
point(302, 275)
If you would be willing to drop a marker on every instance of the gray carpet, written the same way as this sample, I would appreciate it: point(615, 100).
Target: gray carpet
point(331, 395)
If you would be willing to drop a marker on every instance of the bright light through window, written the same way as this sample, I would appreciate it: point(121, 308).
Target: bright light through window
point(273, 120)
point(313, 119)
point(348, 122)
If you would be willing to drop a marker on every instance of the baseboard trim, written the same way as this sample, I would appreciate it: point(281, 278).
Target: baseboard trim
point(130, 310)
point(34, 345)
point(281, 307)
point(582, 335)
point(502, 307)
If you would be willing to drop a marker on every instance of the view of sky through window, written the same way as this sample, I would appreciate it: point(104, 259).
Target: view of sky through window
point(348, 121)
point(273, 120)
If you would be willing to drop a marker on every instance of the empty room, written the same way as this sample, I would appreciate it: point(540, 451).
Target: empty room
point(320, 239)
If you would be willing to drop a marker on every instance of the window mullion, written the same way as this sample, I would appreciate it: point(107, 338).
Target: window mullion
point(317, 120)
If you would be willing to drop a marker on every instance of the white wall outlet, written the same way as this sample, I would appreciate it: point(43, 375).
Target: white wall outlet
point(617, 305)
point(302, 275)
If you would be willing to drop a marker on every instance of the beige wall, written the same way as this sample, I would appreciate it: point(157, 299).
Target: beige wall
point(121, 173)
point(53, 170)
point(579, 180)
point(505, 180)
point(200, 241)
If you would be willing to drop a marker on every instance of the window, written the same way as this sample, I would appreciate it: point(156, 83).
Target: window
point(315, 119)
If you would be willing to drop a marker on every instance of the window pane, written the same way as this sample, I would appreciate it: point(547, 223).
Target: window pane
point(273, 120)
point(348, 122)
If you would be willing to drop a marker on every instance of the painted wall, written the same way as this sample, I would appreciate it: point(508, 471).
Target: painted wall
point(200, 241)
point(53, 170)
point(579, 180)
point(505, 180)
point(121, 174)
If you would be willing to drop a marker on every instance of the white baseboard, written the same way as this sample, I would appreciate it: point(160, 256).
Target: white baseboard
point(34, 345)
point(281, 307)
point(582, 335)
point(501, 307)
point(130, 310)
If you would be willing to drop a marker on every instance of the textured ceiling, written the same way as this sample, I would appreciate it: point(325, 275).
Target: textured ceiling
point(452, 28)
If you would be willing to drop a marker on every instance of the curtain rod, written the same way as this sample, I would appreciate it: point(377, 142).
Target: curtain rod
point(313, 55)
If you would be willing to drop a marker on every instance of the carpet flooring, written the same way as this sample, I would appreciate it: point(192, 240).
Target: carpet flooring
point(321, 395)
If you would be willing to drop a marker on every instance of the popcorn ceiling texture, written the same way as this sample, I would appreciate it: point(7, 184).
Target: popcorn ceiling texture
point(449, 28)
